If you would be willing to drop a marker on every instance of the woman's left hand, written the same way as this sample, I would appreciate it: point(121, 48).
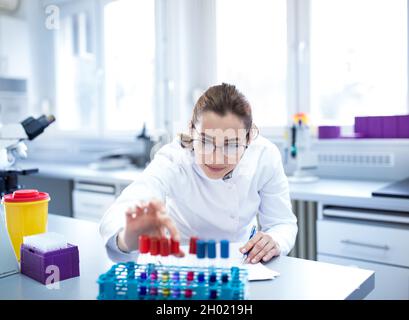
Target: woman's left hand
point(261, 247)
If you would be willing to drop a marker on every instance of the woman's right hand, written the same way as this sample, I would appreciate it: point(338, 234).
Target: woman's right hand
point(150, 219)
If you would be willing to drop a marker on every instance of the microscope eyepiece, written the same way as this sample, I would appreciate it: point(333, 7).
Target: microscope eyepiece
point(35, 127)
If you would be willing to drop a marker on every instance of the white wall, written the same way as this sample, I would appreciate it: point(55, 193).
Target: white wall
point(40, 55)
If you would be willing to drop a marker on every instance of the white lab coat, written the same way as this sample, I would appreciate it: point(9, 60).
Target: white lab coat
point(212, 209)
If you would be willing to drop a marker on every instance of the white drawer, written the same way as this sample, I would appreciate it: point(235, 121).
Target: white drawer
point(91, 205)
point(361, 241)
point(390, 282)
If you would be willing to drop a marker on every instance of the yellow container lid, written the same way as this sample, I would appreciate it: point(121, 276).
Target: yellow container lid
point(23, 196)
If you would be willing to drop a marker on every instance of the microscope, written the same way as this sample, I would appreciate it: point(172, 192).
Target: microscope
point(12, 148)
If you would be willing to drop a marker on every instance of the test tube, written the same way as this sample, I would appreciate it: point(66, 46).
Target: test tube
point(192, 251)
point(201, 253)
point(174, 251)
point(143, 257)
point(154, 250)
point(164, 250)
point(224, 253)
point(211, 253)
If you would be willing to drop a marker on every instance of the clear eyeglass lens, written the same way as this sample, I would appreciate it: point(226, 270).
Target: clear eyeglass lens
point(229, 150)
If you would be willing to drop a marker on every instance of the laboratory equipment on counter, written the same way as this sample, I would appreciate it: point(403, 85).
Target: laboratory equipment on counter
point(26, 214)
point(300, 150)
point(399, 189)
point(12, 148)
point(48, 258)
point(8, 262)
point(132, 281)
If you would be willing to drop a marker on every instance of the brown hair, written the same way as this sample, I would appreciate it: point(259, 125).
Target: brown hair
point(222, 99)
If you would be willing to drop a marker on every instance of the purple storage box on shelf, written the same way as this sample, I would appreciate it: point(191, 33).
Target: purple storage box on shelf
point(329, 132)
point(390, 127)
point(34, 263)
point(361, 126)
point(403, 126)
point(374, 127)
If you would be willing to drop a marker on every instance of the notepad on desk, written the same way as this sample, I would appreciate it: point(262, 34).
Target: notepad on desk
point(256, 271)
point(259, 271)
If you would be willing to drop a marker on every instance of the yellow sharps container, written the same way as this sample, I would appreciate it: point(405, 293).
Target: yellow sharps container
point(26, 214)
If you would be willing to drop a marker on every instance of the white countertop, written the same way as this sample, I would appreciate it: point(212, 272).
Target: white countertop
point(76, 172)
point(353, 193)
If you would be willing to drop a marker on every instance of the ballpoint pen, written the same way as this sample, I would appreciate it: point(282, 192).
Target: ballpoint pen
point(252, 233)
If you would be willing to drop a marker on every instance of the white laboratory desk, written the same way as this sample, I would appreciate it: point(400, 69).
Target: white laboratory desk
point(351, 193)
point(299, 279)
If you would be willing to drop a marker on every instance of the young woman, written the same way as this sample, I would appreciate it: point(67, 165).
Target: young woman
point(215, 183)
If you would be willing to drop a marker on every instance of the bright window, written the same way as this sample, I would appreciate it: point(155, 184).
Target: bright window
point(252, 54)
point(129, 38)
point(76, 70)
point(358, 59)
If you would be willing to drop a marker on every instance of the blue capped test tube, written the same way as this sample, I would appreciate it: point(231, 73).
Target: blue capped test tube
point(201, 253)
point(211, 253)
point(224, 253)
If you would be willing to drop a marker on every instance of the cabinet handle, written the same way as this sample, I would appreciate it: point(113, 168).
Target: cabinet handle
point(92, 205)
point(368, 245)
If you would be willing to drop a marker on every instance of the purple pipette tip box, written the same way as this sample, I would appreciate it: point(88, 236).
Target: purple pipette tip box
point(329, 132)
point(390, 127)
point(34, 263)
point(361, 126)
point(403, 126)
point(375, 127)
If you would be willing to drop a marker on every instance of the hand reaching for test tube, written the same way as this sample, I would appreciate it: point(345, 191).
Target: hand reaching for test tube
point(260, 247)
point(150, 219)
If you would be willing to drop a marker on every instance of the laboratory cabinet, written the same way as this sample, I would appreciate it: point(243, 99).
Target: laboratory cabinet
point(370, 239)
point(58, 189)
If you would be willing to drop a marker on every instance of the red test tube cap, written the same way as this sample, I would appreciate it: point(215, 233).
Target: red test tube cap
point(164, 247)
point(193, 245)
point(174, 246)
point(154, 246)
point(143, 243)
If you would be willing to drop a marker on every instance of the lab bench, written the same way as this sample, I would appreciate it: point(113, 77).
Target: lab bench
point(299, 279)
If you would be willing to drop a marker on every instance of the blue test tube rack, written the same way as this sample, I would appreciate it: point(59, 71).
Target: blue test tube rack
point(132, 281)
